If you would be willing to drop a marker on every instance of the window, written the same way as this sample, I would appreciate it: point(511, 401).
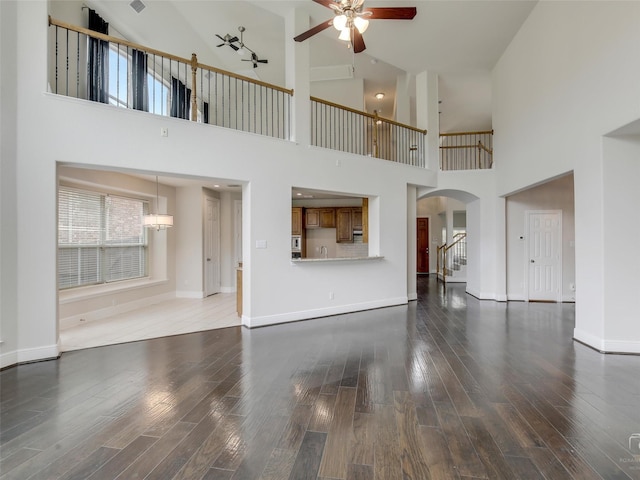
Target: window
point(120, 81)
point(100, 238)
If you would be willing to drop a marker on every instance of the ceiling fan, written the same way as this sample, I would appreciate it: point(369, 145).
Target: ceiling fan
point(255, 59)
point(228, 40)
point(352, 19)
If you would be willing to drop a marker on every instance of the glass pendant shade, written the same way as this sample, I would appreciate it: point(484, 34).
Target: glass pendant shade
point(340, 22)
point(158, 221)
point(345, 34)
point(361, 24)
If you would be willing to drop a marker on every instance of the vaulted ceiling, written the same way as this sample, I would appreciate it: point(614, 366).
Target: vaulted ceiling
point(460, 40)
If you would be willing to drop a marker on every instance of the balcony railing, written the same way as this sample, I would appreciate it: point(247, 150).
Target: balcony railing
point(342, 128)
point(133, 76)
point(93, 66)
point(466, 150)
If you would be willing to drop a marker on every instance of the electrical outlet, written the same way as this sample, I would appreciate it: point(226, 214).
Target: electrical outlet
point(164, 132)
point(330, 295)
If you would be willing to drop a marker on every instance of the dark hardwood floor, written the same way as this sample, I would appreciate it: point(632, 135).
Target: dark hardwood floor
point(446, 387)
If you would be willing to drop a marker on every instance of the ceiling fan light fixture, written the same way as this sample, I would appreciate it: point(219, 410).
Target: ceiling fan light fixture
point(340, 22)
point(379, 95)
point(345, 34)
point(361, 24)
point(241, 51)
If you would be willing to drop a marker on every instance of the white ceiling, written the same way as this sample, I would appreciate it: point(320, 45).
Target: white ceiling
point(461, 40)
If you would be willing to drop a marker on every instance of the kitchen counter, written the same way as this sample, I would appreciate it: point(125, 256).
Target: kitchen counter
point(342, 259)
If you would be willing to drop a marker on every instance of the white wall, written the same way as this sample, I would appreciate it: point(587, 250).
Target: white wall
point(349, 93)
point(621, 231)
point(8, 167)
point(553, 195)
point(568, 78)
point(276, 289)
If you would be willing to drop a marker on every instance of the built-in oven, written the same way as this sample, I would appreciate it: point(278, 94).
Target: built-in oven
point(296, 243)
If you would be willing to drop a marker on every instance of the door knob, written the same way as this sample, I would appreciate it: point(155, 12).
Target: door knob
point(533, 261)
point(208, 260)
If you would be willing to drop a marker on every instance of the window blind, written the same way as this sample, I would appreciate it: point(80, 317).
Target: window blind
point(100, 238)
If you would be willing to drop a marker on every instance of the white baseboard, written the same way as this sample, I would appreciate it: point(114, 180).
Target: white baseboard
point(228, 290)
point(116, 309)
point(412, 296)
point(321, 312)
point(569, 298)
point(606, 346)
point(189, 294)
point(516, 297)
point(27, 355)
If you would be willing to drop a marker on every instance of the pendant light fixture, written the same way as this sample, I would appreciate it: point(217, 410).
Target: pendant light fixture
point(159, 221)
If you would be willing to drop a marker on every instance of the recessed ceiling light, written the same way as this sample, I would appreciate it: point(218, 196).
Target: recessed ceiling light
point(380, 95)
point(216, 186)
point(299, 194)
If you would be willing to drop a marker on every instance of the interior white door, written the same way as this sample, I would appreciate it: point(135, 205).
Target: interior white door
point(211, 246)
point(545, 256)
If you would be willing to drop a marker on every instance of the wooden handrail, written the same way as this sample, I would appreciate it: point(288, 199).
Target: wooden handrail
point(488, 150)
point(466, 133)
point(369, 115)
point(455, 242)
point(121, 41)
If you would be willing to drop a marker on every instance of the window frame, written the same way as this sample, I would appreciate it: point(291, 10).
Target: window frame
point(103, 246)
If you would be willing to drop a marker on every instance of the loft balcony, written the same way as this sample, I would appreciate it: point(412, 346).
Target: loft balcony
point(97, 67)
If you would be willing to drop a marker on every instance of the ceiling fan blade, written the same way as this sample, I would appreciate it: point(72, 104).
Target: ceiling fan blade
point(358, 41)
point(235, 47)
point(391, 13)
point(221, 45)
point(311, 32)
point(221, 38)
point(233, 39)
point(326, 3)
point(263, 61)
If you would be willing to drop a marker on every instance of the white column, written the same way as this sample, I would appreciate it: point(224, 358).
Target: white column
point(427, 115)
point(412, 207)
point(297, 75)
point(403, 99)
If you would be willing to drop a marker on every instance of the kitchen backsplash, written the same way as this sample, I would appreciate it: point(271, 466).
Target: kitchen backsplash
point(346, 250)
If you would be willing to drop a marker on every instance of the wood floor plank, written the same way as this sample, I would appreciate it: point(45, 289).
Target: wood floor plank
point(387, 450)
point(437, 454)
point(307, 462)
point(144, 464)
point(461, 446)
point(322, 414)
point(362, 448)
point(125, 457)
point(488, 451)
point(340, 436)
point(360, 472)
point(412, 456)
point(280, 464)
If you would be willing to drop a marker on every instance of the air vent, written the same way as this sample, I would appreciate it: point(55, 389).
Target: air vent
point(137, 5)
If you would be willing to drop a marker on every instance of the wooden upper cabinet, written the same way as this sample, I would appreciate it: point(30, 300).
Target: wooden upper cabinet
point(356, 218)
point(344, 225)
point(296, 221)
point(320, 218)
point(348, 219)
point(328, 218)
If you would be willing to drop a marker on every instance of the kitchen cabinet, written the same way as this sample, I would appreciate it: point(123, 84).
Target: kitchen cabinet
point(320, 218)
point(348, 219)
point(296, 221)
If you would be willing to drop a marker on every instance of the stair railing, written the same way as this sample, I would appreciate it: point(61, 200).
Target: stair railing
point(447, 262)
point(466, 150)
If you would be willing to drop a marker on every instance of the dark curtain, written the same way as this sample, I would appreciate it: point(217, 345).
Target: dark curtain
point(98, 68)
point(139, 84)
point(180, 96)
point(205, 112)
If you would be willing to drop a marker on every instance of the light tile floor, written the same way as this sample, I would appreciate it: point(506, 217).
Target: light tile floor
point(172, 317)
